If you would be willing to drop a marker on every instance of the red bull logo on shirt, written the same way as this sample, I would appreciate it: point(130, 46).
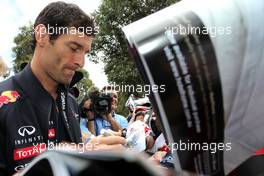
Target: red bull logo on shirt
point(8, 97)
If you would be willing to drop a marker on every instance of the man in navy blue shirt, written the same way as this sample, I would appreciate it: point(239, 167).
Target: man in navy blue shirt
point(35, 106)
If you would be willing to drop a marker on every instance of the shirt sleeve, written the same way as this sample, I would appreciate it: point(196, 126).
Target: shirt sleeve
point(123, 122)
point(83, 126)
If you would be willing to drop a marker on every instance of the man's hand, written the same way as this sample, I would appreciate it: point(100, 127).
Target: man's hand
point(108, 117)
point(115, 126)
point(110, 132)
point(157, 157)
point(107, 143)
point(17, 173)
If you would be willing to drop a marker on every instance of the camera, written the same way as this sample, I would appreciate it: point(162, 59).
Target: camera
point(102, 104)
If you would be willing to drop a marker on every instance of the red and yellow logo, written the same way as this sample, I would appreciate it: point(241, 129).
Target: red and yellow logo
point(8, 97)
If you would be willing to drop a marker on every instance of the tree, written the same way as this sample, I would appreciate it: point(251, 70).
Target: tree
point(111, 16)
point(23, 52)
point(84, 85)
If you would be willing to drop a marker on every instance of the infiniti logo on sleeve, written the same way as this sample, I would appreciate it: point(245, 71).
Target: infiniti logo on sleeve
point(29, 130)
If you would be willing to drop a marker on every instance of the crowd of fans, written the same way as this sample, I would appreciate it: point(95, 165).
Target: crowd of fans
point(141, 128)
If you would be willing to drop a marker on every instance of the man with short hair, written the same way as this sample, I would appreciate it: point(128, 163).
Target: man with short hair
point(35, 106)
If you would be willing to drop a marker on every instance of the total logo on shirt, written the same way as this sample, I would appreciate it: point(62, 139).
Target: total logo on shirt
point(28, 152)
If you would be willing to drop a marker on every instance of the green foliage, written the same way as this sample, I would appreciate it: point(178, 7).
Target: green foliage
point(111, 16)
point(121, 109)
point(84, 85)
point(23, 50)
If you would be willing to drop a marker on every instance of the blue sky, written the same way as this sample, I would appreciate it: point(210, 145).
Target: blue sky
point(17, 13)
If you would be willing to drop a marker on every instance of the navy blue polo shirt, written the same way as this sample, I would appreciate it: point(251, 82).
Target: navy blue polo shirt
point(30, 119)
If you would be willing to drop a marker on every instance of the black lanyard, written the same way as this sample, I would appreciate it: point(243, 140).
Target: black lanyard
point(62, 106)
